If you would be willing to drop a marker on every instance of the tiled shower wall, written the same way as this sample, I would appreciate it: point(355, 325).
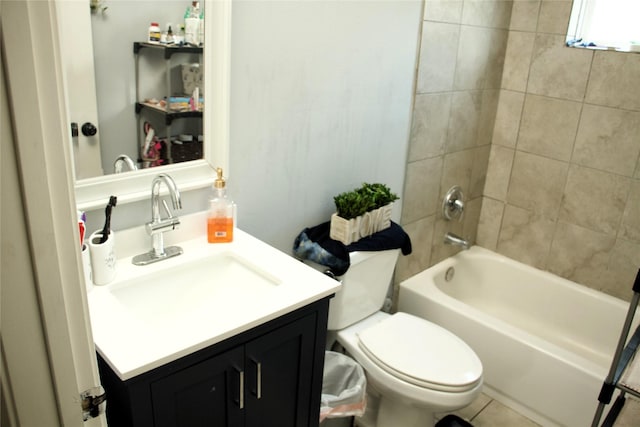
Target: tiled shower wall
point(562, 187)
point(458, 84)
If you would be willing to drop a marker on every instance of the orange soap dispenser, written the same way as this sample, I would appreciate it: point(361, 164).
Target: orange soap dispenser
point(220, 218)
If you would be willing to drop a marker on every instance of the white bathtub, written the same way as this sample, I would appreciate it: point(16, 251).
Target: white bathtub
point(545, 342)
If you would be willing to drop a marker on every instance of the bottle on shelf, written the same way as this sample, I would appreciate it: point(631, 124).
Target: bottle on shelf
point(201, 27)
point(154, 33)
point(192, 24)
point(168, 36)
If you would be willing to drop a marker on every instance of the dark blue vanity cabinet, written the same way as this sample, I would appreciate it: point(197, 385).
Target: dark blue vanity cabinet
point(270, 375)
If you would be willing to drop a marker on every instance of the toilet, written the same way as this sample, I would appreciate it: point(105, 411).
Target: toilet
point(414, 368)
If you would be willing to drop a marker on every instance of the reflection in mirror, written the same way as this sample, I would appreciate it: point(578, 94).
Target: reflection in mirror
point(148, 84)
point(123, 161)
point(116, 83)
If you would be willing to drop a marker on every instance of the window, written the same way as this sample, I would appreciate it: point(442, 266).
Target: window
point(605, 24)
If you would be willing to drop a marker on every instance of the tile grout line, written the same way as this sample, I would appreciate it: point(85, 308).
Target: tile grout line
point(481, 409)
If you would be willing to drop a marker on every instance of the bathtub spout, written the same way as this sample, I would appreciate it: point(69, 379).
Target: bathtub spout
point(452, 239)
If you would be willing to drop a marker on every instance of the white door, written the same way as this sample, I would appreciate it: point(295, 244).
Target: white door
point(74, 24)
point(40, 242)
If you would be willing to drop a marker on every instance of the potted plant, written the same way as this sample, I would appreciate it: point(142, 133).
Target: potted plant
point(361, 212)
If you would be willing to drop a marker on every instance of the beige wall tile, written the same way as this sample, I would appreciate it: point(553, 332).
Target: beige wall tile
point(456, 170)
point(471, 219)
point(594, 199)
point(623, 267)
point(473, 57)
point(554, 17)
point(517, 61)
point(497, 53)
point(580, 255)
point(548, 126)
point(438, 52)
point(421, 191)
point(537, 183)
point(488, 110)
point(498, 172)
point(466, 110)
point(524, 16)
point(489, 223)
point(429, 125)
point(525, 236)
point(480, 58)
point(558, 71)
point(479, 171)
point(608, 139)
point(443, 10)
point(487, 13)
point(630, 228)
point(507, 123)
point(614, 80)
point(421, 234)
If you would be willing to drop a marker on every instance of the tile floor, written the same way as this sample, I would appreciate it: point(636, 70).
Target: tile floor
point(487, 412)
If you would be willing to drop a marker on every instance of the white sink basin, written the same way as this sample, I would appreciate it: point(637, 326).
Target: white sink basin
point(154, 314)
point(194, 290)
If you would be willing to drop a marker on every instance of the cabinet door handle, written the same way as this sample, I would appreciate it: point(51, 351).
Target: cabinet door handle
point(258, 378)
point(241, 388)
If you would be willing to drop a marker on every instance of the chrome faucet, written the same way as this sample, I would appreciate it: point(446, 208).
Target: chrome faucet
point(121, 160)
point(453, 239)
point(159, 225)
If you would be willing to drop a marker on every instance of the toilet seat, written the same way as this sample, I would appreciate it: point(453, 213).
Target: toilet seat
point(421, 353)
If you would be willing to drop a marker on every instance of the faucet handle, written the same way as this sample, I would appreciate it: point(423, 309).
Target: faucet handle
point(453, 204)
point(163, 225)
point(166, 209)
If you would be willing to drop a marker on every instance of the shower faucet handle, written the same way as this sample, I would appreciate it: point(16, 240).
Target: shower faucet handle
point(453, 204)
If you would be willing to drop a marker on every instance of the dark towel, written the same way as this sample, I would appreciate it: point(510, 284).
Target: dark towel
point(315, 245)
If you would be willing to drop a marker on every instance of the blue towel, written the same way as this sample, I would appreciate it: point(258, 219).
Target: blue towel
point(314, 244)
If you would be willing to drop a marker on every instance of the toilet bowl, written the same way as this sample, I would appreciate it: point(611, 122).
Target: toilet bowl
point(414, 368)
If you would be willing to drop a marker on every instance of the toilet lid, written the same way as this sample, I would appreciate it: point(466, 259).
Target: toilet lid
point(421, 353)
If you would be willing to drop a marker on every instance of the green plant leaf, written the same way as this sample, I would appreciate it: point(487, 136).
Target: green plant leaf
point(357, 202)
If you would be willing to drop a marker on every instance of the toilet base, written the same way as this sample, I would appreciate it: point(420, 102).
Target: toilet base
point(386, 412)
point(393, 414)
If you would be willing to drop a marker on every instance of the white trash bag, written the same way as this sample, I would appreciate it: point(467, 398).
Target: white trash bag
point(343, 387)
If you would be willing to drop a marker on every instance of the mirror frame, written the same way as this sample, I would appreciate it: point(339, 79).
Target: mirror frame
point(93, 193)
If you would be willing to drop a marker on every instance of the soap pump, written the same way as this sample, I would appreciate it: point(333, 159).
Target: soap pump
point(220, 218)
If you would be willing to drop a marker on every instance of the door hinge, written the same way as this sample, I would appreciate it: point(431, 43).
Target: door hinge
point(93, 402)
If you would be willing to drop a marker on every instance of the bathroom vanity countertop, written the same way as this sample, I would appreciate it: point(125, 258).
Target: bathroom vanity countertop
point(132, 342)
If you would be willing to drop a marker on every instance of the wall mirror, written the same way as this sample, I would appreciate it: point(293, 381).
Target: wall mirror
point(95, 180)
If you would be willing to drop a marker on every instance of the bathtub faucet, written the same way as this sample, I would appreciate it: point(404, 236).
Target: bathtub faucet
point(452, 239)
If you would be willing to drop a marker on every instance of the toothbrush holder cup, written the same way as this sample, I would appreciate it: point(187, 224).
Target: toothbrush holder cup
point(103, 258)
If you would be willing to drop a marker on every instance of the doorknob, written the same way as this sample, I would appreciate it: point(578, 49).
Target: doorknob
point(88, 129)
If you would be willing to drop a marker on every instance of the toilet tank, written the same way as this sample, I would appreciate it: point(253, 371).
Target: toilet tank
point(364, 287)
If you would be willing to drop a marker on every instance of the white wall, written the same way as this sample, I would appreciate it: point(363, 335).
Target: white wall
point(321, 100)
